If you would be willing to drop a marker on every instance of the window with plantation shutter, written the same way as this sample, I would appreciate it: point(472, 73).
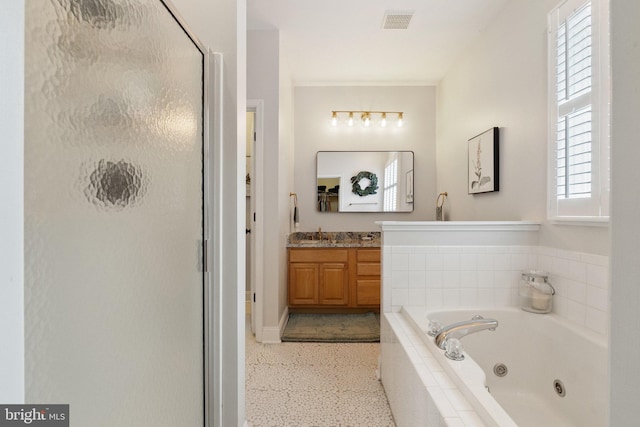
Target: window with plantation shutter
point(579, 110)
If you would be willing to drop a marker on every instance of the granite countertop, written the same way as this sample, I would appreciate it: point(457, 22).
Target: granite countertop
point(331, 239)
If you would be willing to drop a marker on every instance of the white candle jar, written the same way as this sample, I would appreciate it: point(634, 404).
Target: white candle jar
point(536, 293)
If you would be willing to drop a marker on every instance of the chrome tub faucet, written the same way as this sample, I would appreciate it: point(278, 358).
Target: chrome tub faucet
point(464, 328)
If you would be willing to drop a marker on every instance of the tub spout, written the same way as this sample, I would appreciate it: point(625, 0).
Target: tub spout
point(464, 328)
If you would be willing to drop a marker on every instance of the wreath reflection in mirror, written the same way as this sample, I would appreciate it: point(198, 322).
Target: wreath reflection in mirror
point(370, 189)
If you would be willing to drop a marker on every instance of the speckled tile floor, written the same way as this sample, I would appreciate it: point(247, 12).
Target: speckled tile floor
point(314, 384)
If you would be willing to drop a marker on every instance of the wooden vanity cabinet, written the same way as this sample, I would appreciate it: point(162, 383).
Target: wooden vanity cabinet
point(318, 277)
point(334, 278)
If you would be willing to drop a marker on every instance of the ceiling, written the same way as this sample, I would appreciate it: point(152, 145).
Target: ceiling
point(342, 41)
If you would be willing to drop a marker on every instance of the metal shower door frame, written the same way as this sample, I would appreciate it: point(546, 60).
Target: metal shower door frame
point(211, 146)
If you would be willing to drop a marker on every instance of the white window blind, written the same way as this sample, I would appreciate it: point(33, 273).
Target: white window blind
point(574, 155)
point(574, 85)
point(574, 55)
point(579, 103)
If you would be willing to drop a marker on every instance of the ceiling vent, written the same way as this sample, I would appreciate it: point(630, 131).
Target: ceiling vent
point(396, 20)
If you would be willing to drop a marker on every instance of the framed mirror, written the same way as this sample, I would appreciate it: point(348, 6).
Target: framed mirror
point(364, 181)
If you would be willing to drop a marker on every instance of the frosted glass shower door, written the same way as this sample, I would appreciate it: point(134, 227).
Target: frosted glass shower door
point(114, 213)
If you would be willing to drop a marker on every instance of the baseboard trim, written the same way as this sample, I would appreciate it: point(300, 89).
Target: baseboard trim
point(272, 334)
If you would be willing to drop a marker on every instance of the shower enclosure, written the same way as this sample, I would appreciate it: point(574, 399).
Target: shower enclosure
point(114, 213)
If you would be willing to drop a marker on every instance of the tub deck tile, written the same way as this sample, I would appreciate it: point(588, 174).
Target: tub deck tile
point(457, 400)
point(447, 405)
point(471, 419)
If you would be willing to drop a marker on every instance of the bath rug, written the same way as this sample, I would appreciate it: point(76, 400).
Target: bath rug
point(360, 327)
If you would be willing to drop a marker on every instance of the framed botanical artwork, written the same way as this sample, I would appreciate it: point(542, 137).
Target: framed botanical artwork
point(484, 174)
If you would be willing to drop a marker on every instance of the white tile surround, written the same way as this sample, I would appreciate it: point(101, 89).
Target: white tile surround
point(478, 263)
point(431, 265)
point(455, 276)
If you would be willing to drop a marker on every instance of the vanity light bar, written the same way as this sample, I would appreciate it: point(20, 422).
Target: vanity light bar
point(366, 117)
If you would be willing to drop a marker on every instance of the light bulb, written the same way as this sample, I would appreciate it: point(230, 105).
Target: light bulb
point(334, 119)
point(400, 120)
point(350, 122)
point(366, 119)
point(383, 122)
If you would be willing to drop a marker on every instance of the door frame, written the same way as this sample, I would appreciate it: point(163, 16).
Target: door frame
point(212, 107)
point(212, 231)
point(257, 210)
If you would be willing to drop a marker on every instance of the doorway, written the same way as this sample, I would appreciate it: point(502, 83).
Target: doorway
point(249, 173)
point(255, 220)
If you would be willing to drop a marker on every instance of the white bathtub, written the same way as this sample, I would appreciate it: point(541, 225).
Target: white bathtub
point(537, 350)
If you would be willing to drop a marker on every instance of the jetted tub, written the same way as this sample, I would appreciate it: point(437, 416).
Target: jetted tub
point(556, 373)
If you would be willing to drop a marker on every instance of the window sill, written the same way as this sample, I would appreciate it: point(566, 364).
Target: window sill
point(584, 221)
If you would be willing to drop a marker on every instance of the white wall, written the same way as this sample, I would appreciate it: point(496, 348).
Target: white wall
point(12, 206)
point(625, 322)
point(286, 171)
point(313, 133)
point(501, 81)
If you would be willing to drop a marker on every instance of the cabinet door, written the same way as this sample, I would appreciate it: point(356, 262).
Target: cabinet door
point(368, 269)
point(334, 284)
point(303, 283)
point(369, 255)
point(368, 292)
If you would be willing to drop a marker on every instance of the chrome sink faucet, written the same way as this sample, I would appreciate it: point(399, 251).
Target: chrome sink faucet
point(464, 328)
point(319, 233)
